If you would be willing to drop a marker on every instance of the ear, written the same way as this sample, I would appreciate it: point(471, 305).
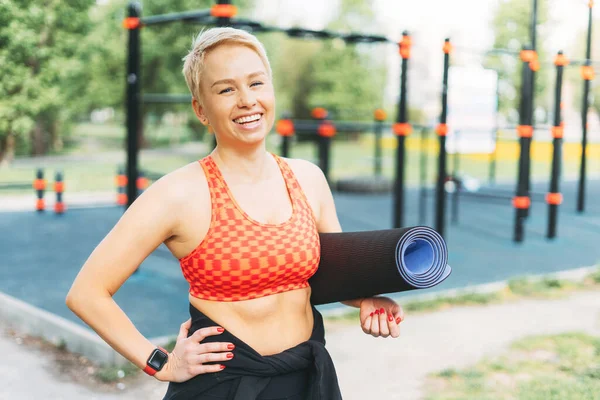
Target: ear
point(199, 110)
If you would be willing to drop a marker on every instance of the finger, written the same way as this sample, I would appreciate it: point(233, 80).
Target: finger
point(184, 329)
point(206, 369)
point(200, 334)
point(366, 325)
point(399, 316)
point(384, 331)
point(213, 357)
point(375, 324)
point(215, 347)
point(393, 326)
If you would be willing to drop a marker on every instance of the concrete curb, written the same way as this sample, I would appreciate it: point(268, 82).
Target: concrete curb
point(34, 321)
point(27, 319)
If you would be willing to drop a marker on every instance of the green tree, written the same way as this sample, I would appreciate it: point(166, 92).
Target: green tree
point(40, 45)
point(345, 79)
point(512, 30)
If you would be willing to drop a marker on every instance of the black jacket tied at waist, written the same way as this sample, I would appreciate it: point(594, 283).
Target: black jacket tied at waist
point(249, 372)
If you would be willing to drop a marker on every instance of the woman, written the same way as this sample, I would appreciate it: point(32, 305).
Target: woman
point(244, 224)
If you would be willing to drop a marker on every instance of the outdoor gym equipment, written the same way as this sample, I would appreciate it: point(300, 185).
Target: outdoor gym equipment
point(223, 14)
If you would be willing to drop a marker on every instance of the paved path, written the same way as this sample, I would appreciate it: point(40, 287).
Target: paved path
point(366, 366)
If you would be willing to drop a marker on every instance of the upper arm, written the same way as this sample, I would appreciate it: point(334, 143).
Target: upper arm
point(315, 186)
point(149, 221)
point(328, 220)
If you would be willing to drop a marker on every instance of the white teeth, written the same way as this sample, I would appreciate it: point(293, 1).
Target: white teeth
point(250, 118)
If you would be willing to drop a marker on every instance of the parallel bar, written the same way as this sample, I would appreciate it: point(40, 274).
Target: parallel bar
point(556, 152)
point(524, 120)
point(378, 151)
point(223, 21)
point(584, 120)
point(440, 201)
point(533, 27)
point(423, 178)
point(186, 16)
point(133, 105)
point(401, 118)
point(285, 146)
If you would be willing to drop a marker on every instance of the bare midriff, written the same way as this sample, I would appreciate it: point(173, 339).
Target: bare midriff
point(269, 324)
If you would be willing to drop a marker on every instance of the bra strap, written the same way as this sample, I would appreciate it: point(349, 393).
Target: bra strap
point(216, 186)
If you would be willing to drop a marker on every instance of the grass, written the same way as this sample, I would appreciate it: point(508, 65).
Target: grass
point(88, 175)
point(520, 288)
point(100, 150)
point(548, 367)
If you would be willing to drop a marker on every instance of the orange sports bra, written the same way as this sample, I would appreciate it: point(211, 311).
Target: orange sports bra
point(241, 258)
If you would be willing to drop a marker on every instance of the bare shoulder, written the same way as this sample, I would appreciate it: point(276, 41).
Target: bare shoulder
point(306, 172)
point(317, 190)
point(178, 186)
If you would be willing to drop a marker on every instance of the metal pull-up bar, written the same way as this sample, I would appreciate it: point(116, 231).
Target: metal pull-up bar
point(222, 14)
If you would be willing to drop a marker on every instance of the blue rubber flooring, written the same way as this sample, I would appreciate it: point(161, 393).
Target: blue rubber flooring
point(41, 253)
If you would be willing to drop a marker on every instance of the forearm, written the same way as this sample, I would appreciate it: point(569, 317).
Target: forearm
point(353, 303)
point(107, 319)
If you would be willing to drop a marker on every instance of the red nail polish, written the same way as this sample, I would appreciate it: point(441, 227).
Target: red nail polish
point(229, 355)
point(220, 330)
point(371, 314)
point(230, 346)
point(398, 320)
point(376, 312)
point(381, 311)
point(222, 366)
point(390, 317)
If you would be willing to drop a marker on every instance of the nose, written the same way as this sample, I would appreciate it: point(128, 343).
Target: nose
point(246, 98)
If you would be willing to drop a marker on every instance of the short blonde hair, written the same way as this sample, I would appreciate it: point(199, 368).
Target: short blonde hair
point(193, 62)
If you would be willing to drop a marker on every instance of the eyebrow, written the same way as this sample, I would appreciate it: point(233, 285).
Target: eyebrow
point(252, 75)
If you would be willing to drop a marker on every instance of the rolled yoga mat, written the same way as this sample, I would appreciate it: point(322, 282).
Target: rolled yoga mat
point(363, 264)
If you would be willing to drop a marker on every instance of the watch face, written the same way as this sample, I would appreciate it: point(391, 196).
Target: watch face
point(157, 359)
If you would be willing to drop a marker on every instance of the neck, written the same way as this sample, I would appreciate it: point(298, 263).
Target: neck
point(246, 165)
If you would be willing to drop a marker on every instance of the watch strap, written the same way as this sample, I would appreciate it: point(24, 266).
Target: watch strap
point(149, 370)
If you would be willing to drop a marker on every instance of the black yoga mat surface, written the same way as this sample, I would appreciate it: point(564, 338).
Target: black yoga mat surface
point(364, 264)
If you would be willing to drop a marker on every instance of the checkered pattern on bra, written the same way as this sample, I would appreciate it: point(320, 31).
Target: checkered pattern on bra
point(242, 259)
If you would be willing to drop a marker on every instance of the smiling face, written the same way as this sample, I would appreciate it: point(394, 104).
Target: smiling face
point(237, 95)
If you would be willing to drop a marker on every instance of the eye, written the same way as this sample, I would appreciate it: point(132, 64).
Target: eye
point(257, 83)
point(225, 91)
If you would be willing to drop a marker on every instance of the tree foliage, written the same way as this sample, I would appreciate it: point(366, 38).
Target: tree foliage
point(347, 80)
point(512, 30)
point(61, 60)
point(41, 84)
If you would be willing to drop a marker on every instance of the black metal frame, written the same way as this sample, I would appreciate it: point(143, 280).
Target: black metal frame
point(135, 98)
point(556, 152)
point(584, 118)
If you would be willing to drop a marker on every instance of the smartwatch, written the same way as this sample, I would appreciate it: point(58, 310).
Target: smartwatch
point(156, 361)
